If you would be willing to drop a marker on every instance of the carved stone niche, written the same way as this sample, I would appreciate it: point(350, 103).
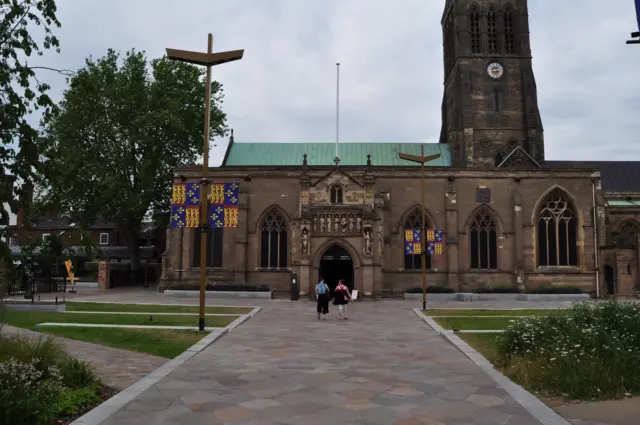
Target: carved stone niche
point(336, 222)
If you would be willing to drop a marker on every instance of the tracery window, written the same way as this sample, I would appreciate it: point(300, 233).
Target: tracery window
point(274, 248)
point(483, 241)
point(414, 261)
point(557, 233)
point(214, 247)
point(492, 33)
point(626, 235)
point(474, 23)
point(509, 30)
point(336, 194)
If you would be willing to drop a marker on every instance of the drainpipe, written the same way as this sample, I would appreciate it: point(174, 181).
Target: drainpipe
point(595, 236)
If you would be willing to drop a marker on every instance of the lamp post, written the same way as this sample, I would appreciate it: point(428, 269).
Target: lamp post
point(422, 160)
point(208, 59)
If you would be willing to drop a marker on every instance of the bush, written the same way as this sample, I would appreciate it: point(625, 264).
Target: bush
point(593, 352)
point(72, 402)
point(431, 290)
point(26, 395)
point(23, 349)
point(78, 373)
point(497, 290)
point(191, 286)
point(555, 290)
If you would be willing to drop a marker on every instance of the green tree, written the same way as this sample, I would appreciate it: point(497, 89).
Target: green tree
point(123, 126)
point(21, 94)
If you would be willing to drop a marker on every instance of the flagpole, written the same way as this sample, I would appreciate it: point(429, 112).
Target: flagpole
point(337, 110)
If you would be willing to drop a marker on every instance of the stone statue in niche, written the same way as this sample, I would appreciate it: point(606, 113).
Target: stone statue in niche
point(336, 223)
point(344, 223)
point(329, 223)
point(358, 223)
point(322, 228)
point(352, 223)
point(314, 223)
point(367, 241)
point(305, 241)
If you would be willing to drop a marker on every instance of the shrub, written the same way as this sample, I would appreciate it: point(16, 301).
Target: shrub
point(555, 290)
point(194, 286)
point(23, 349)
point(78, 373)
point(27, 397)
point(72, 402)
point(593, 352)
point(431, 290)
point(497, 290)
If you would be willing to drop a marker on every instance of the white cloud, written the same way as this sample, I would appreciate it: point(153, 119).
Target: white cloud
point(391, 72)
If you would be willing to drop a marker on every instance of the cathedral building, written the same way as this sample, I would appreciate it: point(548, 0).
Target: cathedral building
point(506, 216)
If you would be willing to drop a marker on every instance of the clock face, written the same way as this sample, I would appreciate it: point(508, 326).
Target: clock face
point(495, 70)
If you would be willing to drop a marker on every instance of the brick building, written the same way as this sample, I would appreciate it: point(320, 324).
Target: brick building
point(509, 217)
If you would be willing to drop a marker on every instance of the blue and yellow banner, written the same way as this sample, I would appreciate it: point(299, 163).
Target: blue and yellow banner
point(185, 205)
point(433, 240)
point(223, 211)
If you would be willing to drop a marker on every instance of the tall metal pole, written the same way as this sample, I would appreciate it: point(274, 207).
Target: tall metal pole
point(422, 224)
point(204, 223)
point(337, 108)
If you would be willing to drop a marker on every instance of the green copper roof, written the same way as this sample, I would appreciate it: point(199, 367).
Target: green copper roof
point(283, 154)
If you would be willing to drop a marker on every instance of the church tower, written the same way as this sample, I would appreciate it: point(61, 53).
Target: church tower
point(490, 114)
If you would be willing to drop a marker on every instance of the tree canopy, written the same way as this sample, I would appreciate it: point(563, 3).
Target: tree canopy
point(122, 127)
point(21, 93)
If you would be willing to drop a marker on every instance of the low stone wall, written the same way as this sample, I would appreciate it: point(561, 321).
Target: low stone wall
point(463, 296)
point(26, 305)
point(264, 295)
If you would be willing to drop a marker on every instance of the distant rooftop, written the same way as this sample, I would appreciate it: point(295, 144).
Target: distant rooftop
point(246, 154)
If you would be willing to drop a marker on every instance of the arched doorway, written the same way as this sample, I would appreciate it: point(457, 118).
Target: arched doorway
point(608, 280)
point(336, 264)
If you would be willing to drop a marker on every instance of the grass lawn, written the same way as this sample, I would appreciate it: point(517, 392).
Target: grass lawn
point(493, 312)
point(29, 319)
point(473, 323)
point(483, 343)
point(158, 342)
point(156, 308)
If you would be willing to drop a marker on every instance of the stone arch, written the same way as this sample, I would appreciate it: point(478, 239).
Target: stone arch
point(483, 236)
point(263, 214)
point(496, 217)
point(537, 207)
point(427, 215)
point(353, 252)
point(629, 226)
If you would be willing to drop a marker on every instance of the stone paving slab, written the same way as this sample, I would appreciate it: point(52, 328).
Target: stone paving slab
point(118, 368)
point(383, 366)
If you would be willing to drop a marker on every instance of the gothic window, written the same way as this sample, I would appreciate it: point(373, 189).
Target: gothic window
point(414, 261)
point(214, 247)
point(492, 37)
point(509, 30)
point(557, 233)
point(274, 249)
point(474, 22)
point(336, 194)
point(626, 235)
point(483, 241)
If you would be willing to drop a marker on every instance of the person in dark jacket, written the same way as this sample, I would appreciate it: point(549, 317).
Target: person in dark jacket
point(322, 294)
point(341, 299)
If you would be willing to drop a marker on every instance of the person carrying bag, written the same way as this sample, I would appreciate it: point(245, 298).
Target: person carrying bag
point(322, 294)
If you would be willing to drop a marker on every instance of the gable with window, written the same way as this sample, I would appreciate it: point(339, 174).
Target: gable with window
point(336, 193)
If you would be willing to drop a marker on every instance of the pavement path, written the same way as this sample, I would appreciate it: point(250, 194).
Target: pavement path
point(118, 368)
point(383, 366)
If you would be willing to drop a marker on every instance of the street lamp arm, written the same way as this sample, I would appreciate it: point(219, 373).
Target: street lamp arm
point(206, 59)
point(418, 158)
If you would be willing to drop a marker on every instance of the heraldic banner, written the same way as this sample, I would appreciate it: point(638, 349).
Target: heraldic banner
point(185, 205)
point(434, 239)
point(223, 210)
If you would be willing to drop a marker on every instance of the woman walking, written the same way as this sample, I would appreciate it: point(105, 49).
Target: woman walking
point(341, 299)
point(322, 294)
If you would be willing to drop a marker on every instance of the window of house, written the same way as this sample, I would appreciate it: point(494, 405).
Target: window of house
point(274, 247)
point(214, 247)
point(557, 233)
point(474, 21)
point(483, 241)
point(104, 239)
point(492, 33)
point(45, 236)
point(336, 194)
point(12, 240)
point(413, 222)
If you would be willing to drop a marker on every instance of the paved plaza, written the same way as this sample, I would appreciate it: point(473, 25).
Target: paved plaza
point(383, 366)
